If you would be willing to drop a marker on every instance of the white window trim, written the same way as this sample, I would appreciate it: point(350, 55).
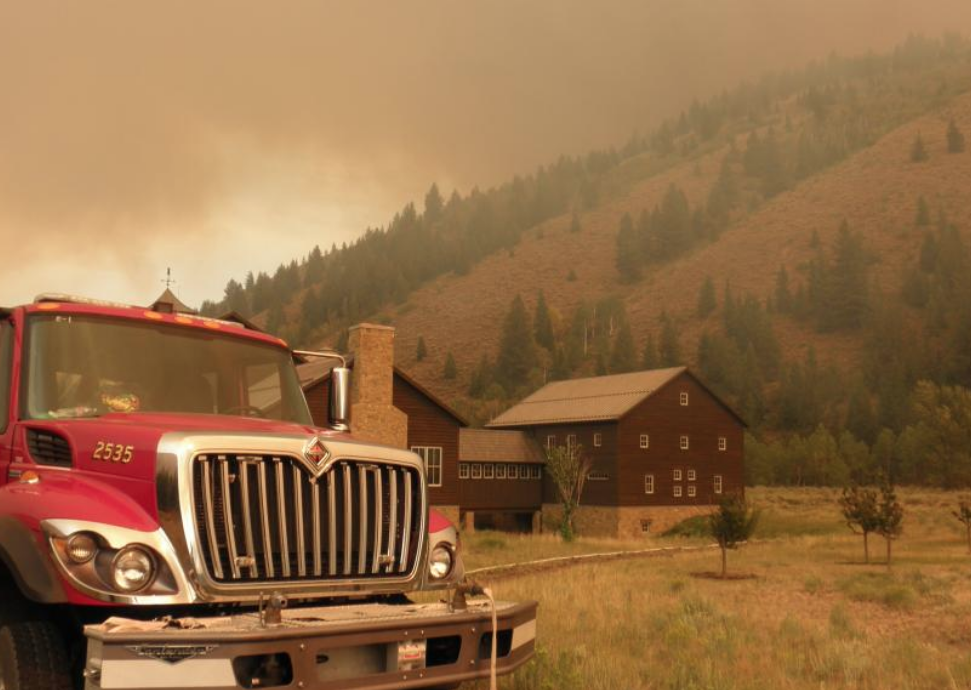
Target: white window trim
point(432, 469)
point(488, 471)
point(463, 470)
point(537, 472)
point(597, 440)
point(524, 471)
point(722, 443)
point(501, 470)
point(692, 475)
point(692, 491)
point(677, 491)
point(685, 442)
point(597, 476)
point(718, 483)
point(677, 475)
point(648, 483)
point(684, 398)
point(645, 441)
point(571, 441)
point(551, 441)
point(476, 466)
point(512, 472)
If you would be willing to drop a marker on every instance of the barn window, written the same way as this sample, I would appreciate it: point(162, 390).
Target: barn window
point(501, 471)
point(464, 470)
point(476, 471)
point(718, 483)
point(722, 443)
point(677, 475)
point(597, 476)
point(645, 441)
point(537, 472)
point(677, 491)
point(432, 455)
point(551, 441)
point(524, 471)
point(512, 471)
point(571, 441)
point(691, 475)
point(692, 492)
point(684, 398)
point(488, 471)
point(684, 443)
point(649, 483)
point(645, 526)
point(597, 440)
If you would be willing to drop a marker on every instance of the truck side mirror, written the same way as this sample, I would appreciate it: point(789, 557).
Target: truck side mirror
point(339, 410)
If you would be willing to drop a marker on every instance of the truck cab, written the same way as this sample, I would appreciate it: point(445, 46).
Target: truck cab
point(171, 517)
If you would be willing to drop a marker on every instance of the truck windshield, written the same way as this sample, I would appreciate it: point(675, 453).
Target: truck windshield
point(82, 366)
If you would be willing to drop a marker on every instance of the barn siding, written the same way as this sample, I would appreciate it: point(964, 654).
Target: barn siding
point(600, 493)
point(509, 495)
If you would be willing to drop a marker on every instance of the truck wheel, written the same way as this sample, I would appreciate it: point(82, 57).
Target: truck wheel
point(32, 657)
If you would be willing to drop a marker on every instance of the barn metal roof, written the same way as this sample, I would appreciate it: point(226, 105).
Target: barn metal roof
point(599, 398)
point(491, 445)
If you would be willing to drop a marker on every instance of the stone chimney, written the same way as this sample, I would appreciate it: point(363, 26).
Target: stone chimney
point(373, 414)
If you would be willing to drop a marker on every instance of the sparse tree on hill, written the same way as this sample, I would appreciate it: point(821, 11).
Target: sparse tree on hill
point(955, 138)
point(707, 301)
point(918, 151)
point(450, 371)
point(571, 276)
point(963, 513)
point(575, 224)
point(891, 515)
point(628, 254)
point(517, 348)
point(861, 512)
point(670, 347)
point(923, 218)
point(421, 351)
point(649, 357)
point(568, 466)
point(783, 296)
point(731, 524)
point(543, 324)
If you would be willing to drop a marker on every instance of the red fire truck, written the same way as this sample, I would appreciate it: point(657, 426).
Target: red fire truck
point(170, 517)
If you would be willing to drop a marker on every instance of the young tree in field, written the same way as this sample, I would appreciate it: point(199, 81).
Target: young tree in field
point(861, 512)
point(568, 466)
point(918, 152)
point(955, 138)
point(450, 370)
point(733, 523)
point(963, 513)
point(421, 351)
point(891, 515)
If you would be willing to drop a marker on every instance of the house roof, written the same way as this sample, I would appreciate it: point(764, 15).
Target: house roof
point(178, 306)
point(493, 445)
point(317, 370)
point(599, 398)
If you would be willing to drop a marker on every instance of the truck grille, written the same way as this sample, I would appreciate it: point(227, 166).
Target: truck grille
point(263, 518)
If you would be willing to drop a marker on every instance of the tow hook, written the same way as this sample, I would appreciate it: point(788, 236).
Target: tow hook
point(272, 612)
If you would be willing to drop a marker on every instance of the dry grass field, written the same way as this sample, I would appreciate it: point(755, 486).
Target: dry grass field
point(813, 617)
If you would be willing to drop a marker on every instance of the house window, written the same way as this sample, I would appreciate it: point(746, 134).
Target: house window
point(718, 483)
point(597, 440)
point(684, 443)
point(645, 526)
point(512, 471)
point(691, 475)
point(432, 455)
point(597, 476)
point(684, 398)
point(551, 441)
point(524, 471)
point(677, 491)
point(488, 471)
point(649, 483)
point(464, 470)
point(691, 491)
point(501, 471)
point(571, 441)
point(677, 475)
point(476, 471)
point(645, 441)
point(722, 443)
point(537, 472)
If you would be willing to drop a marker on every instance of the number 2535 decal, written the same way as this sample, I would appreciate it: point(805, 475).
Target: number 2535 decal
point(113, 452)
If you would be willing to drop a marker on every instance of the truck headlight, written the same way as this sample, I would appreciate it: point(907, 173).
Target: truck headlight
point(132, 569)
point(81, 547)
point(440, 562)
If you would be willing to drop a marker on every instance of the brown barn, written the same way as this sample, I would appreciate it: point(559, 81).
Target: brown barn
point(393, 409)
point(500, 480)
point(663, 446)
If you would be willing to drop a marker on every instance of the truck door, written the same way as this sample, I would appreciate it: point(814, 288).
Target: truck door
point(6, 393)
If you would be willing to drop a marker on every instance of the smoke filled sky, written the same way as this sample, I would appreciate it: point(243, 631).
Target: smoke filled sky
point(225, 136)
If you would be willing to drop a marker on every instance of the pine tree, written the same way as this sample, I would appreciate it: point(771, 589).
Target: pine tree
point(433, 205)
point(421, 351)
point(955, 138)
point(628, 254)
point(923, 218)
point(481, 377)
point(783, 298)
point(707, 300)
point(670, 348)
point(649, 356)
point(542, 324)
point(623, 358)
point(517, 348)
point(450, 371)
point(918, 152)
point(575, 224)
